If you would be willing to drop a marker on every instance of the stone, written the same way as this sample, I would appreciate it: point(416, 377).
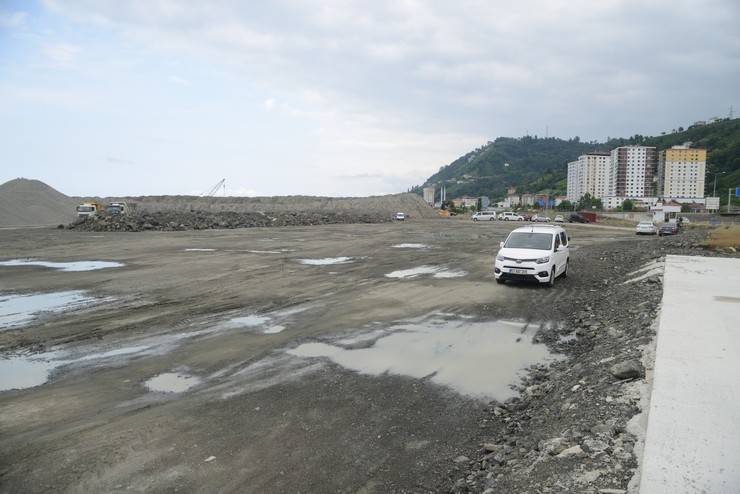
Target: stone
point(461, 459)
point(594, 445)
point(629, 369)
point(553, 446)
point(570, 452)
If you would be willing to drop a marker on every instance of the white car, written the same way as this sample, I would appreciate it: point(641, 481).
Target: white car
point(401, 216)
point(645, 228)
point(533, 253)
point(510, 216)
point(540, 219)
point(559, 219)
point(484, 216)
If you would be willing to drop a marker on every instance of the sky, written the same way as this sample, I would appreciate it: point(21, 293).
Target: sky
point(338, 98)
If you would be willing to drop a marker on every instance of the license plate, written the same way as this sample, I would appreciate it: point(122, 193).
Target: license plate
point(518, 271)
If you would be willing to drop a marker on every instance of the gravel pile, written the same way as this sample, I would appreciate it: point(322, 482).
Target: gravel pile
point(206, 220)
point(567, 430)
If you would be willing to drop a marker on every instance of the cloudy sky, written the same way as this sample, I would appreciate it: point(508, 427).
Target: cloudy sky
point(112, 97)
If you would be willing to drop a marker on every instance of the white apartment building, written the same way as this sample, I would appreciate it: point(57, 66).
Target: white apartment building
point(590, 174)
point(429, 194)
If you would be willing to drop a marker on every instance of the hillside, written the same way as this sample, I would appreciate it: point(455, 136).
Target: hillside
point(26, 202)
point(540, 164)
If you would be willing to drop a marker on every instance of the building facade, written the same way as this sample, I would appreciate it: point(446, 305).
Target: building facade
point(429, 195)
point(632, 169)
point(681, 172)
point(589, 174)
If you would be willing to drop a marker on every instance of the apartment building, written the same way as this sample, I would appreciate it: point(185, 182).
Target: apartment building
point(632, 169)
point(681, 172)
point(589, 174)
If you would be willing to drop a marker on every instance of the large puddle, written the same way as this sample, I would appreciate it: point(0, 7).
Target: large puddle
point(410, 246)
point(64, 266)
point(435, 271)
point(19, 310)
point(478, 359)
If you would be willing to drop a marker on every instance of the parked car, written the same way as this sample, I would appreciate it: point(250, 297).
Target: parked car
point(684, 220)
point(484, 216)
point(526, 216)
point(400, 216)
point(559, 219)
point(510, 216)
point(540, 219)
point(533, 253)
point(577, 218)
point(645, 228)
point(668, 229)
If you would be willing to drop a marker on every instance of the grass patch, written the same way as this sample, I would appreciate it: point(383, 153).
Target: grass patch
point(723, 237)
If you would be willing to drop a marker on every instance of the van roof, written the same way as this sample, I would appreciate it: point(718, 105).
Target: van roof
point(540, 229)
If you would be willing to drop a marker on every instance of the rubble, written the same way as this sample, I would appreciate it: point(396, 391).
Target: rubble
point(207, 220)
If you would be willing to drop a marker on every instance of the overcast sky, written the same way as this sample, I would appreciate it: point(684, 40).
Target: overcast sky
point(338, 98)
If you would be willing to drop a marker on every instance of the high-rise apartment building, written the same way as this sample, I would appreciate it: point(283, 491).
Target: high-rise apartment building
point(589, 174)
point(429, 195)
point(632, 169)
point(681, 172)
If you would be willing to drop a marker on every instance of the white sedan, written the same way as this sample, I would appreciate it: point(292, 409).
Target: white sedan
point(646, 228)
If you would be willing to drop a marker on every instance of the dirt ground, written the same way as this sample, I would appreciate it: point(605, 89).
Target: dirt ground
point(259, 419)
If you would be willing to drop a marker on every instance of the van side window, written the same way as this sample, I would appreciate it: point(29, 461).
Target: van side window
point(557, 242)
point(563, 238)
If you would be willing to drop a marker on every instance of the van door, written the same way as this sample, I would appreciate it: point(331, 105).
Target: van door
point(559, 255)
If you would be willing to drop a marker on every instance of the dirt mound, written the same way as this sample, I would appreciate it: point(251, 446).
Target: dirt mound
point(411, 204)
point(25, 202)
point(206, 220)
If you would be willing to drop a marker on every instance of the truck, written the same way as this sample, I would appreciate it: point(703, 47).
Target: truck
point(116, 208)
point(88, 209)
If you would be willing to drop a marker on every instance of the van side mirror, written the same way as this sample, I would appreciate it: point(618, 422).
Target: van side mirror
point(501, 244)
point(568, 239)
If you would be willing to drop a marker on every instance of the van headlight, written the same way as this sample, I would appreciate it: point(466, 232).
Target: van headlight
point(543, 260)
point(499, 257)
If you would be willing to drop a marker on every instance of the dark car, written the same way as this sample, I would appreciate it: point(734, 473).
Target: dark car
point(577, 218)
point(668, 229)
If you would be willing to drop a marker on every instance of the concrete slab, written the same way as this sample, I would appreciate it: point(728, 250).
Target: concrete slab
point(693, 432)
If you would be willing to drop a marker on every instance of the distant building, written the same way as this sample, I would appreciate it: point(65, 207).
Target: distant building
point(510, 191)
point(512, 201)
point(632, 170)
point(613, 202)
point(429, 195)
point(681, 172)
point(559, 200)
point(465, 201)
point(589, 174)
point(528, 200)
point(542, 200)
point(485, 202)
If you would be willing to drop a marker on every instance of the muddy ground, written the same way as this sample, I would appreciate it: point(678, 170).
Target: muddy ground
point(256, 417)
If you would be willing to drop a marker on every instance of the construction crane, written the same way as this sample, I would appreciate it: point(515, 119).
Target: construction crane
point(213, 190)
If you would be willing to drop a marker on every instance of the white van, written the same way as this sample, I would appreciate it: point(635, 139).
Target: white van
point(533, 253)
point(484, 216)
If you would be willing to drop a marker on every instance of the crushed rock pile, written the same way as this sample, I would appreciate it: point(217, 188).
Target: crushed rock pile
point(206, 220)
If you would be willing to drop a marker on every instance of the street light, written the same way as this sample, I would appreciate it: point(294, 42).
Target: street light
point(714, 191)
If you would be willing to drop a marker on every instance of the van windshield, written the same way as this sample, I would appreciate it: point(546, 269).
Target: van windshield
point(529, 240)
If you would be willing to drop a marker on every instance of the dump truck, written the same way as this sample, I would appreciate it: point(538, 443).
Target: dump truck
point(89, 209)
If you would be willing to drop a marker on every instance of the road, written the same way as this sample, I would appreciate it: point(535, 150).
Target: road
point(219, 313)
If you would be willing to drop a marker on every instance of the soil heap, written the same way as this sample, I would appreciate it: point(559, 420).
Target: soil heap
point(25, 202)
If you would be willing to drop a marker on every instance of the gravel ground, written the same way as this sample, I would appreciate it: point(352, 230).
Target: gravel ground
point(567, 431)
point(310, 425)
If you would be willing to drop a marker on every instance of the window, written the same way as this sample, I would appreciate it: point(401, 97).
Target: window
point(563, 238)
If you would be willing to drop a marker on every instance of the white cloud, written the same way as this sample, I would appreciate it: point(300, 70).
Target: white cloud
point(61, 54)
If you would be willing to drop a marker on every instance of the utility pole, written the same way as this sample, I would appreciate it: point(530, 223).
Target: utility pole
point(714, 192)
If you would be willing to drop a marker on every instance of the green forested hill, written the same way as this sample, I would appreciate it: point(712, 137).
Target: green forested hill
point(539, 165)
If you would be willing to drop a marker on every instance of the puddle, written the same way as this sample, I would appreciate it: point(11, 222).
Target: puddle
point(410, 246)
point(23, 371)
point(65, 266)
point(264, 251)
point(251, 320)
point(274, 329)
point(19, 310)
point(200, 250)
point(478, 359)
point(326, 261)
point(172, 382)
point(435, 271)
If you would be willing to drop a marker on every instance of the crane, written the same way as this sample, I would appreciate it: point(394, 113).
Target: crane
point(213, 190)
